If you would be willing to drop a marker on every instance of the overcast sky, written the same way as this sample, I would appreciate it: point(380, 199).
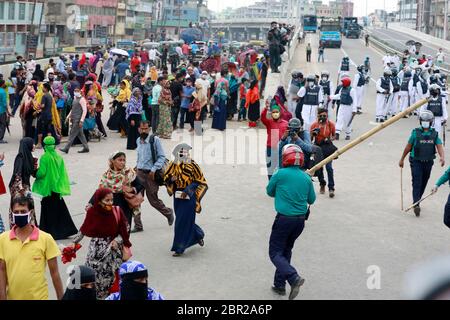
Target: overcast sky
point(360, 5)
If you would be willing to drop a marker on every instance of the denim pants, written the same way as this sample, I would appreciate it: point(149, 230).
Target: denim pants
point(285, 231)
point(321, 56)
point(330, 174)
point(183, 114)
point(420, 172)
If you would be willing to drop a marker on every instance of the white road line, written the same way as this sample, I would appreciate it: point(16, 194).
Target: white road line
point(353, 63)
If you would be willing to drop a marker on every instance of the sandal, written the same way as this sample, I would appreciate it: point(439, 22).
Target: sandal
point(201, 243)
point(176, 254)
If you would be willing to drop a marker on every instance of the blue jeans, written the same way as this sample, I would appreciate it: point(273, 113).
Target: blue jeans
point(330, 173)
point(321, 56)
point(420, 171)
point(285, 231)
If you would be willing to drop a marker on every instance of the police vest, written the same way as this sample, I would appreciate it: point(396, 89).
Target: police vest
point(346, 98)
point(424, 85)
point(434, 80)
point(415, 80)
point(325, 87)
point(345, 66)
point(312, 96)
point(405, 82)
point(435, 106)
point(361, 80)
point(385, 84)
point(424, 149)
point(396, 84)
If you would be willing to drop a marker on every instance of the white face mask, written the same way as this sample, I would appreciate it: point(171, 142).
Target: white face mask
point(425, 124)
point(311, 84)
point(325, 78)
point(77, 94)
point(204, 77)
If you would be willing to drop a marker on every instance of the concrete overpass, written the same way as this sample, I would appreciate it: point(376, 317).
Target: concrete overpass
point(245, 29)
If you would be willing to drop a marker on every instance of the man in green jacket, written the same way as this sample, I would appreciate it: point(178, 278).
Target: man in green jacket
point(444, 179)
point(293, 191)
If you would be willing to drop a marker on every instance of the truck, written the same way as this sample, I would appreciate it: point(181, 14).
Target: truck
point(353, 31)
point(309, 23)
point(348, 21)
point(330, 32)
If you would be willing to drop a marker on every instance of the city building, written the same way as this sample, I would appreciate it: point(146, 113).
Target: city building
point(407, 12)
point(172, 16)
point(16, 22)
point(338, 8)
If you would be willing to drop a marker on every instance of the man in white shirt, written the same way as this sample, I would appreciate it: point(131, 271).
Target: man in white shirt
point(440, 57)
point(153, 54)
point(204, 83)
point(347, 108)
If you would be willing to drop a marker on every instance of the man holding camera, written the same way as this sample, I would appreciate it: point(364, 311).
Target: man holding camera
point(323, 132)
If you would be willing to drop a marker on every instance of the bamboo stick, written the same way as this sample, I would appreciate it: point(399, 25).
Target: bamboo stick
point(415, 204)
point(366, 135)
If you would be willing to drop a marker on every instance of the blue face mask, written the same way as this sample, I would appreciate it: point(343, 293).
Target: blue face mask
point(425, 124)
point(21, 220)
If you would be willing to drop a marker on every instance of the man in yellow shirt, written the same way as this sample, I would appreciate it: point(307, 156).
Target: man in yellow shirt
point(24, 252)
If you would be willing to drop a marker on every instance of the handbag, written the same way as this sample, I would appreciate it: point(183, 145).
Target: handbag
point(134, 200)
point(89, 124)
point(126, 251)
point(328, 148)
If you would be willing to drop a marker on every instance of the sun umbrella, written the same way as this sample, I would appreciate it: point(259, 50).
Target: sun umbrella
point(119, 52)
point(410, 42)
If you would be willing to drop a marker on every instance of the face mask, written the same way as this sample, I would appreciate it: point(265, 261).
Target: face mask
point(144, 136)
point(425, 124)
point(322, 119)
point(21, 220)
point(132, 290)
point(311, 84)
point(275, 115)
point(51, 78)
point(325, 78)
point(77, 94)
point(81, 294)
point(203, 77)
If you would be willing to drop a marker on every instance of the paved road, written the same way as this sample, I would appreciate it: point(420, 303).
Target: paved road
point(398, 40)
point(361, 227)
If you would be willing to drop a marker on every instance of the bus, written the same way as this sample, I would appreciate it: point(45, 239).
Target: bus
point(330, 32)
point(309, 23)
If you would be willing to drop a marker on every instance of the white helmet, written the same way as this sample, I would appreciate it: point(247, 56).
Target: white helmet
point(325, 73)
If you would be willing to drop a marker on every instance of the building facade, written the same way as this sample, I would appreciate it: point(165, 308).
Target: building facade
point(407, 12)
point(19, 20)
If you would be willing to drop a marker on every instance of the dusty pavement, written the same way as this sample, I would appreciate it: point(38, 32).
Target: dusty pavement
point(363, 226)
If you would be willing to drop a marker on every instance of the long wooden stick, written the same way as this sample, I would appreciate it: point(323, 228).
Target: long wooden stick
point(415, 204)
point(401, 186)
point(366, 135)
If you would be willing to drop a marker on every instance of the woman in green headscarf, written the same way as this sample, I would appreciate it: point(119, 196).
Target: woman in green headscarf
point(52, 183)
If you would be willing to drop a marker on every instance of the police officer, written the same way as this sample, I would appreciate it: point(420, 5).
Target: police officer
point(437, 106)
point(293, 191)
point(347, 108)
point(297, 81)
point(312, 96)
point(396, 84)
point(344, 67)
point(418, 85)
point(384, 91)
point(327, 89)
point(421, 147)
point(441, 80)
point(359, 82)
point(405, 92)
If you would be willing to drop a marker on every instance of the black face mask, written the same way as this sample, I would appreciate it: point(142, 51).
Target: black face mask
point(80, 294)
point(132, 290)
point(323, 119)
point(144, 136)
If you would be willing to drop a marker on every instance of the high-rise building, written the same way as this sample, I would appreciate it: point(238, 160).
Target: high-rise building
point(407, 11)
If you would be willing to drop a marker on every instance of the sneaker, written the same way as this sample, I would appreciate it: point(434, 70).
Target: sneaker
point(279, 291)
point(295, 287)
point(83, 151)
point(3, 142)
point(336, 137)
point(322, 189)
point(64, 150)
point(331, 193)
point(347, 138)
point(377, 120)
point(417, 211)
point(381, 120)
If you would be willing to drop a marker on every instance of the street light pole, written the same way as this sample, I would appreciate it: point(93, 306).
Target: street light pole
point(445, 19)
